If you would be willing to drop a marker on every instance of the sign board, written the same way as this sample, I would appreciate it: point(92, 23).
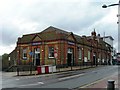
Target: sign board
point(36, 43)
point(71, 43)
point(31, 53)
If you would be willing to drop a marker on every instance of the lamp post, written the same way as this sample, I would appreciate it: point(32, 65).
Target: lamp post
point(118, 4)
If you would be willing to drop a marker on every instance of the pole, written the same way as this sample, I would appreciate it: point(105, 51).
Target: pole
point(71, 65)
point(31, 64)
point(118, 27)
point(31, 69)
point(105, 6)
point(17, 70)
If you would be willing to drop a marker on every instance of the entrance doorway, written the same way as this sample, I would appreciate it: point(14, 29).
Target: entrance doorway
point(94, 60)
point(70, 60)
point(36, 56)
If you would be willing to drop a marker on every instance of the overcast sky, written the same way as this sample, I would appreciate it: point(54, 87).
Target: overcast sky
point(18, 17)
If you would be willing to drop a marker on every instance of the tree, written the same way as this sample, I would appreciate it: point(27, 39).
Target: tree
point(5, 62)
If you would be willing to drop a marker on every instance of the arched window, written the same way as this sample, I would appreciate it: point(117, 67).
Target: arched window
point(88, 54)
point(24, 53)
point(80, 53)
point(51, 52)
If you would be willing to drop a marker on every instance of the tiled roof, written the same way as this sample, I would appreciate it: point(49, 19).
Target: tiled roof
point(27, 38)
point(51, 33)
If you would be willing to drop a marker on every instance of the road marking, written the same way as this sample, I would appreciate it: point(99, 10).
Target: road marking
point(33, 84)
point(97, 81)
point(86, 85)
point(40, 82)
point(17, 79)
point(71, 77)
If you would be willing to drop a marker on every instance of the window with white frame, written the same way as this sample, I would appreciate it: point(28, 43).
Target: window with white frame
point(80, 53)
point(25, 53)
point(88, 55)
point(51, 52)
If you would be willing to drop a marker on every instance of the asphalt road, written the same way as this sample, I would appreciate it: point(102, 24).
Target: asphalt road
point(71, 79)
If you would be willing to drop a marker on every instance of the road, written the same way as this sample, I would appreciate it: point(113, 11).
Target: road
point(71, 79)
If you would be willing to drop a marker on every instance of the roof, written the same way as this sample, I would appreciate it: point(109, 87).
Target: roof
point(50, 33)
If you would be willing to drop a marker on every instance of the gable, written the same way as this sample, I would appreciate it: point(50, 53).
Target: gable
point(71, 38)
point(36, 38)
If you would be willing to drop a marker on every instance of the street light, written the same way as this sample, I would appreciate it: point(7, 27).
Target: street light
point(105, 6)
point(118, 4)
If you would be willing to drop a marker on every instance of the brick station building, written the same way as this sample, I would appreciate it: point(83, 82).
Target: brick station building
point(54, 46)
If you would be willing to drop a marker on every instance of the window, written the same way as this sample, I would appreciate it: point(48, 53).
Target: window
point(80, 53)
point(24, 53)
point(88, 55)
point(51, 52)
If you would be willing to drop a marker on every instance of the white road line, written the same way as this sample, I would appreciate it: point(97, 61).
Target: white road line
point(33, 84)
point(17, 79)
point(97, 81)
point(71, 77)
point(40, 82)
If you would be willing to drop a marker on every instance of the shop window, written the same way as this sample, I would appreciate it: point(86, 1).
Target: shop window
point(88, 55)
point(51, 52)
point(24, 53)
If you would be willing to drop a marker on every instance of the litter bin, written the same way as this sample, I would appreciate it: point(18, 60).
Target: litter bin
point(39, 70)
point(46, 69)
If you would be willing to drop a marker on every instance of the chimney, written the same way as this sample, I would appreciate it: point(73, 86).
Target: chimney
point(98, 35)
point(19, 39)
point(93, 33)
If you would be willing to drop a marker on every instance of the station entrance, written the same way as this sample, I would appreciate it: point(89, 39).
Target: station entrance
point(70, 60)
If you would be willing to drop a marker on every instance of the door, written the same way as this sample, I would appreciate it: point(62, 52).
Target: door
point(69, 59)
point(70, 56)
point(38, 59)
point(36, 56)
point(94, 60)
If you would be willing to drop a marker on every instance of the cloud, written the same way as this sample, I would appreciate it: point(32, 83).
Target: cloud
point(6, 49)
point(18, 17)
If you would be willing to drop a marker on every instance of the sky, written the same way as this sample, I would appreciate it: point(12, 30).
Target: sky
point(19, 17)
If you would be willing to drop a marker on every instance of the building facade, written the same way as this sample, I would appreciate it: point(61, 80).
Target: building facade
point(54, 46)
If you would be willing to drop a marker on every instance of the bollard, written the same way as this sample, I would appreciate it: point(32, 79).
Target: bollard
point(111, 85)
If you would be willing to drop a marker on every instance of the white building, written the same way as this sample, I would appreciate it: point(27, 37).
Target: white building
point(109, 40)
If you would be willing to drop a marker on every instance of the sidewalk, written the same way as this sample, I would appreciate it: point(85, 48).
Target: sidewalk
point(101, 84)
point(58, 70)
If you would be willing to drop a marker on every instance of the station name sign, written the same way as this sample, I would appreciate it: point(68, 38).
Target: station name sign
point(36, 43)
point(71, 43)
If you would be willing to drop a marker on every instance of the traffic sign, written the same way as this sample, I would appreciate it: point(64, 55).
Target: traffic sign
point(31, 53)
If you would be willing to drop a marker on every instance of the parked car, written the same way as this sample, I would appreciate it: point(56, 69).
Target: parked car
point(118, 60)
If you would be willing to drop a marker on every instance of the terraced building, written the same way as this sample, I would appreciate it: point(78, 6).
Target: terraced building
point(54, 46)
